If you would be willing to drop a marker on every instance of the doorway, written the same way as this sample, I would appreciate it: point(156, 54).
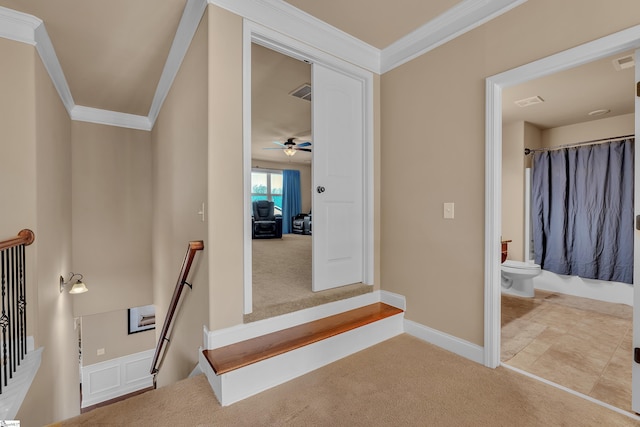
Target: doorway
point(605, 47)
point(304, 56)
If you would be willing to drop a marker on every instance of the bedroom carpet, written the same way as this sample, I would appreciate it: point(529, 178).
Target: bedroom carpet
point(282, 278)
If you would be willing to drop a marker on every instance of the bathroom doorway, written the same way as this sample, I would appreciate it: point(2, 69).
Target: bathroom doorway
point(613, 45)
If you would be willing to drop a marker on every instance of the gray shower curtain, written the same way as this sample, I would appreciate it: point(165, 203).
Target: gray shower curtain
point(582, 211)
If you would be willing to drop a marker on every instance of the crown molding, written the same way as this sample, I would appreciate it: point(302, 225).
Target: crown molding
point(191, 16)
point(53, 67)
point(284, 18)
point(111, 118)
point(26, 28)
point(277, 15)
point(18, 26)
point(463, 17)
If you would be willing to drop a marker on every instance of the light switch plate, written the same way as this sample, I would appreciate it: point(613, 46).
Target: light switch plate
point(449, 210)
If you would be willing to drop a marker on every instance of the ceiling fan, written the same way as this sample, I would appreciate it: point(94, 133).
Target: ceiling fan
point(290, 147)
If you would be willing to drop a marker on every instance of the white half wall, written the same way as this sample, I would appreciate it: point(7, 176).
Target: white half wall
point(116, 377)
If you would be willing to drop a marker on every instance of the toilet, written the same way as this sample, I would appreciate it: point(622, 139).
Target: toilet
point(517, 276)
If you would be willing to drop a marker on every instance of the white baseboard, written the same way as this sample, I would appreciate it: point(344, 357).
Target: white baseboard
point(252, 379)
point(116, 377)
point(453, 344)
point(394, 300)
point(242, 332)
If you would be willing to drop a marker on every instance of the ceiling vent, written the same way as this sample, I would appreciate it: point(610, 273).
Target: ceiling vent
point(623, 63)
point(303, 92)
point(527, 102)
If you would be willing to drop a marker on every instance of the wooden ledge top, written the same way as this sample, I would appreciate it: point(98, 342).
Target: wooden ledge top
point(241, 354)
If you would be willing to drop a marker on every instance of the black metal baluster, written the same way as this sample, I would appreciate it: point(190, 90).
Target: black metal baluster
point(11, 313)
point(23, 304)
point(3, 321)
point(20, 343)
point(13, 302)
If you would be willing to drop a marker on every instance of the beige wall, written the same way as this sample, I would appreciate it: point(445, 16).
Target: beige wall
point(515, 138)
point(225, 169)
point(587, 131)
point(435, 106)
point(18, 136)
point(179, 188)
point(54, 394)
point(513, 188)
point(305, 177)
point(109, 331)
point(111, 185)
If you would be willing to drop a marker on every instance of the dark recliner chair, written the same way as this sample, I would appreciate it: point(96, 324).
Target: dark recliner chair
point(265, 224)
point(301, 223)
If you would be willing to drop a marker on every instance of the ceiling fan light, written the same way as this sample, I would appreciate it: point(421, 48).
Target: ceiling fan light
point(289, 151)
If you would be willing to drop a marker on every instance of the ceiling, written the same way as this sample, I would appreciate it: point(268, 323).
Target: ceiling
point(276, 115)
point(569, 96)
point(112, 54)
point(376, 22)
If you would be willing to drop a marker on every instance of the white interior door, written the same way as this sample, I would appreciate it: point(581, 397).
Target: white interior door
point(338, 144)
point(635, 385)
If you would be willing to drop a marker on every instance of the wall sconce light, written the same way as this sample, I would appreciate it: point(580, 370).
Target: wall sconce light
point(78, 288)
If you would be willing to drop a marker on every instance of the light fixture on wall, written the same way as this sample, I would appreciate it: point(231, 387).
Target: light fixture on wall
point(78, 287)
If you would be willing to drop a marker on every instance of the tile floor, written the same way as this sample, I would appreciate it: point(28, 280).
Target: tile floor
point(580, 343)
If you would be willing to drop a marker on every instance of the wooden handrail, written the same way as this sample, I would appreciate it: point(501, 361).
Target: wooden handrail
point(24, 237)
point(194, 246)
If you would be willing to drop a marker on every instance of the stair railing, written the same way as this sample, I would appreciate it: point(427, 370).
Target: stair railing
point(13, 301)
point(194, 246)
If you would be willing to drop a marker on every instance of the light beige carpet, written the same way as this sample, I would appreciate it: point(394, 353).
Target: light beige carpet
point(400, 382)
point(282, 278)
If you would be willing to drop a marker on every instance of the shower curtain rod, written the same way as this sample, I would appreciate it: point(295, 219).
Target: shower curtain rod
point(528, 151)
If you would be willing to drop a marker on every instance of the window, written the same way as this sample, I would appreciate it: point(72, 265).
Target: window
point(267, 185)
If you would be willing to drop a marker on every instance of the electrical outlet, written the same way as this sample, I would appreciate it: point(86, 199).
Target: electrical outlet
point(100, 351)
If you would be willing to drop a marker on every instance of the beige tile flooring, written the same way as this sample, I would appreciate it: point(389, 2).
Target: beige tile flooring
point(580, 343)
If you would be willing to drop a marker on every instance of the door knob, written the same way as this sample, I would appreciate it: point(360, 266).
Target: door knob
point(320, 189)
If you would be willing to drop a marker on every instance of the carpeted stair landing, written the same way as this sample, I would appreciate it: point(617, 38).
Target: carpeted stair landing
point(239, 355)
point(401, 382)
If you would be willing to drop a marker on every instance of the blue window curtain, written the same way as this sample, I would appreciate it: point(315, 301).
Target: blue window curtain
point(582, 211)
point(291, 197)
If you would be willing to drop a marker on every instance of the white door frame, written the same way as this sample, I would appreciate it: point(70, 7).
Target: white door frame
point(610, 45)
point(286, 45)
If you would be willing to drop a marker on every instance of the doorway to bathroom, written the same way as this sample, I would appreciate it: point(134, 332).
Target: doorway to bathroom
point(552, 311)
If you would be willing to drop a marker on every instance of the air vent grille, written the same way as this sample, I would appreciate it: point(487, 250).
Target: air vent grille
point(529, 101)
point(624, 62)
point(303, 92)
